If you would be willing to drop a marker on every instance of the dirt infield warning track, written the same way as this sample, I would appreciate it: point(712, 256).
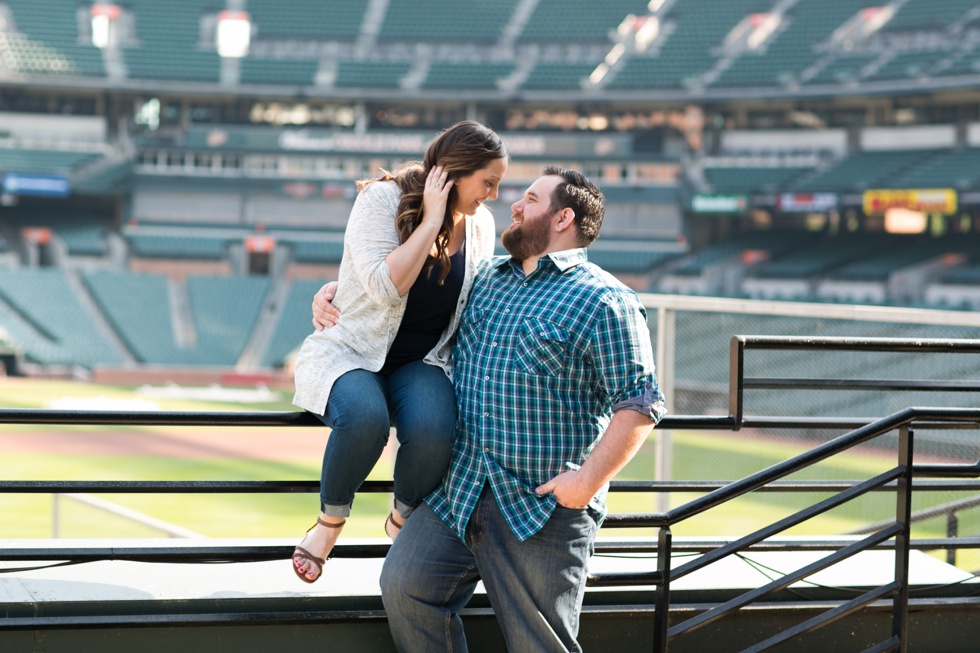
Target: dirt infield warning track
point(259, 443)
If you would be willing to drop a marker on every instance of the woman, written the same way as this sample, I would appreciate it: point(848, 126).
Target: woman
point(411, 249)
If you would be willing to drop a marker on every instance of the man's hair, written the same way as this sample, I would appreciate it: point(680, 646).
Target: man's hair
point(583, 197)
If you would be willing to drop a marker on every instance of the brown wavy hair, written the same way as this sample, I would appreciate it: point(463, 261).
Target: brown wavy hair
point(461, 150)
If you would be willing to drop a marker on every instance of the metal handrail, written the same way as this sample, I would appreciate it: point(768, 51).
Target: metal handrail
point(899, 529)
point(895, 534)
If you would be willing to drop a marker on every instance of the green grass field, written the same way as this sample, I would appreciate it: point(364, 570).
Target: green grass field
point(701, 456)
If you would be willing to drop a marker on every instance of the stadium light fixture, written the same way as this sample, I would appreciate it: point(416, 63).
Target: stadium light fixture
point(647, 33)
point(599, 73)
point(103, 24)
point(234, 34)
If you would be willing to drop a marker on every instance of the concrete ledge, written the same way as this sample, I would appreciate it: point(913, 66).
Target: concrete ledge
point(119, 605)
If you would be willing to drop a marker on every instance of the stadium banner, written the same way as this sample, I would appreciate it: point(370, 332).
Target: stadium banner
point(15, 183)
point(925, 200)
point(701, 203)
point(806, 202)
point(411, 144)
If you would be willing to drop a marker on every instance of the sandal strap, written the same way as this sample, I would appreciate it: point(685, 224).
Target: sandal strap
point(320, 521)
point(309, 556)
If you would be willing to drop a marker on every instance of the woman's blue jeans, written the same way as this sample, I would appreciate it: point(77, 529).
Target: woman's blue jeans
point(419, 401)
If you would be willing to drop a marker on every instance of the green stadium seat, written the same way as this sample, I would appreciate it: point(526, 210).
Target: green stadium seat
point(433, 21)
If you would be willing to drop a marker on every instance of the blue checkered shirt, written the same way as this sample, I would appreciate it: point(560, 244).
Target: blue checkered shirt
point(540, 364)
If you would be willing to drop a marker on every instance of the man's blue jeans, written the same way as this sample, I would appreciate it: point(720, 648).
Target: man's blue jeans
point(536, 587)
point(419, 401)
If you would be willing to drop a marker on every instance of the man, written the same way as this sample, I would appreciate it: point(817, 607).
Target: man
point(555, 385)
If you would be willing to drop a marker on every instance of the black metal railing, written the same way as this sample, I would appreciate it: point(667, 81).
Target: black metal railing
point(904, 479)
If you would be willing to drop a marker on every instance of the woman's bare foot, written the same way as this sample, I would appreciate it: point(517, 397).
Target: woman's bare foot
point(316, 547)
point(393, 525)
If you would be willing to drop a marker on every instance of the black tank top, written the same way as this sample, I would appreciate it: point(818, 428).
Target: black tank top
point(427, 313)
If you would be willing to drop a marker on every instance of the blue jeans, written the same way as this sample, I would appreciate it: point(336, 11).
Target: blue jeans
point(419, 401)
point(536, 587)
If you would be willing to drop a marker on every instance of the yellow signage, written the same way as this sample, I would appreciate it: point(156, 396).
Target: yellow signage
point(925, 200)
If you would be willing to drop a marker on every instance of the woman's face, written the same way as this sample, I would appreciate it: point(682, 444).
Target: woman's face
point(476, 188)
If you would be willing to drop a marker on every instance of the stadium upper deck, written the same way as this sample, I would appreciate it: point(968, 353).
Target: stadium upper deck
point(134, 138)
point(618, 48)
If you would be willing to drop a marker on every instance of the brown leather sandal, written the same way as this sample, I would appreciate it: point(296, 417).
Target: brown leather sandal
point(395, 523)
point(306, 556)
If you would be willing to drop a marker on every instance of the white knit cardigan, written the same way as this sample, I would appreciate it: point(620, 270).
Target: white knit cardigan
point(370, 308)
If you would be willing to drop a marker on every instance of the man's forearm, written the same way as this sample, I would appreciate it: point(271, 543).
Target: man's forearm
point(627, 431)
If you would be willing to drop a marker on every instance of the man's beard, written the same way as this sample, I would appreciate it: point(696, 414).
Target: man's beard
point(527, 239)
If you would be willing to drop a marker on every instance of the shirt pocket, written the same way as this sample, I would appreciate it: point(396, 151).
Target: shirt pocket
point(542, 347)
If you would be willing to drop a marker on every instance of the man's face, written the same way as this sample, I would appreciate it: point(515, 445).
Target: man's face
point(530, 233)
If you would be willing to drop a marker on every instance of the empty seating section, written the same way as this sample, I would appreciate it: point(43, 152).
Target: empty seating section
point(813, 260)
point(83, 239)
point(968, 63)
point(929, 14)
point(306, 19)
point(958, 169)
point(41, 314)
point(466, 76)
point(774, 243)
point(294, 322)
point(792, 49)
point(370, 74)
point(908, 64)
point(963, 274)
point(434, 21)
point(555, 76)
point(293, 72)
point(320, 250)
point(169, 48)
point(744, 179)
point(779, 64)
point(627, 256)
point(138, 308)
point(192, 246)
point(50, 43)
point(578, 20)
point(842, 69)
point(899, 254)
point(698, 27)
point(225, 311)
point(863, 170)
point(82, 233)
point(43, 161)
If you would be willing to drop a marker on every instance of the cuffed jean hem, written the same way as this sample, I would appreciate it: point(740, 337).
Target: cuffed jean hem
point(403, 509)
point(335, 509)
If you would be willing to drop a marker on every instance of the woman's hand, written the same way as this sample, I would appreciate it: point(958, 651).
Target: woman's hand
point(325, 314)
point(435, 195)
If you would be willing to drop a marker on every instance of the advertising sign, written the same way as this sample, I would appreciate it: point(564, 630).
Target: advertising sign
point(719, 203)
point(924, 200)
point(15, 183)
point(807, 202)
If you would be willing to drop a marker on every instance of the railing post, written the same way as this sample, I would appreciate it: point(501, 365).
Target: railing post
point(903, 515)
point(661, 606)
point(952, 531)
point(666, 347)
point(736, 372)
point(55, 515)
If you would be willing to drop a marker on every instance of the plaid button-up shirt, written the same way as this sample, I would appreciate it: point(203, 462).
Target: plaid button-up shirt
point(540, 364)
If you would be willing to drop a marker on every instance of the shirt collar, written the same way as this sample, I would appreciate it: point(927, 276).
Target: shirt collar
point(563, 260)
